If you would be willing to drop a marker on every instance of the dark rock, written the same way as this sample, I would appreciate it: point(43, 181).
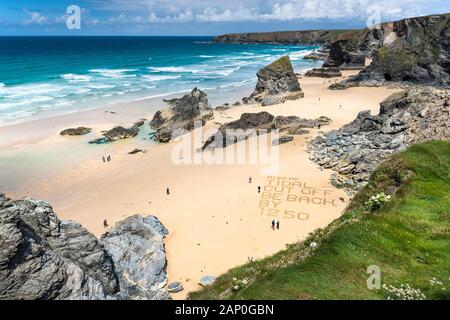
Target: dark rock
point(42, 257)
point(345, 54)
point(409, 51)
point(324, 73)
point(417, 115)
point(183, 112)
point(135, 151)
point(175, 287)
point(80, 131)
point(222, 108)
point(277, 83)
point(117, 133)
point(282, 140)
point(139, 123)
point(253, 124)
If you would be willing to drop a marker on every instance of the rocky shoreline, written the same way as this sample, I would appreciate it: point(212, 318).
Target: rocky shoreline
point(412, 116)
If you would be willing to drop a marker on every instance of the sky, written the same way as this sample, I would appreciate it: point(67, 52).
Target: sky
point(200, 17)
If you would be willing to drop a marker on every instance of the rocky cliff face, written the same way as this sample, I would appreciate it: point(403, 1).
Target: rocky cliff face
point(277, 83)
point(345, 55)
point(181, 115)
point(409, 51)
point(413, 116)
point(42, 257)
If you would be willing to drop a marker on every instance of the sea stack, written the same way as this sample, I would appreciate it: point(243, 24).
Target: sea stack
point(277, 83)
point(182, 114)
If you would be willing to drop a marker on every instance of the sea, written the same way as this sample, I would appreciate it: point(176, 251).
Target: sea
point(57, 75)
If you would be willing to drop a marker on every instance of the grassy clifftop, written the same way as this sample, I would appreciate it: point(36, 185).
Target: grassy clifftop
point(407, 238)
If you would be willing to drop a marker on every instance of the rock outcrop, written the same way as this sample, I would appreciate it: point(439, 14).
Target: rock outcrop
point(181, 116)
point(136, 247)
point(409, 51)
point(416, 115)
point(345, 55)
point(277, 83)
point(80, 131)
point(253, 124)
point(282, 140)
point(42, 257)
point(115, 134)
point(324, 73)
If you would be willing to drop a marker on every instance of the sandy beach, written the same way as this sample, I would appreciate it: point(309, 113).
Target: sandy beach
point(217, 219)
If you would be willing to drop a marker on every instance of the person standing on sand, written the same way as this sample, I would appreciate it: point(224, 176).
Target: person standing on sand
point(104, 160)
point(319, 126)
point(105, 223)
point(167, 191)
point(249, 179)
point(259, 189)
point(273, 224)
point(278, 225)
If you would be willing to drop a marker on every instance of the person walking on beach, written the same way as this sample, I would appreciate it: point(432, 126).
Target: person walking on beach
point(104, 160)
point(167, 191)
point(278, 225)
point(105, 223)
point(259, 189)
point(273, 224)
point(108, 158)
point(249, 179)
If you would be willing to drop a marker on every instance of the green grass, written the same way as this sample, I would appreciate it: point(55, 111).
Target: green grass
point(408, 238)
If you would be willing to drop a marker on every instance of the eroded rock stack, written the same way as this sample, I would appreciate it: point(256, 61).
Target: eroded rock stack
point(181, 116)
point(42, 257)
point(412, 116)
point(277, 83)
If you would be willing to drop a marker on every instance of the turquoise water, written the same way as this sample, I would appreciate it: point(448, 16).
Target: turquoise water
point(67, 74)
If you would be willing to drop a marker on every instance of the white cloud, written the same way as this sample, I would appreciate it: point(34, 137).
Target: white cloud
point(184, 11)
point(34, 18)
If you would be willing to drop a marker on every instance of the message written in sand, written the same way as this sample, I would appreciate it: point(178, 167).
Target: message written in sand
point(290, 198)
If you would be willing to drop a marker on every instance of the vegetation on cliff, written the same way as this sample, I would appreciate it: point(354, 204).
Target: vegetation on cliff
point(406, 237)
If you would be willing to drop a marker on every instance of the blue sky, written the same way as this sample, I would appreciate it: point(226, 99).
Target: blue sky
point(201, 17)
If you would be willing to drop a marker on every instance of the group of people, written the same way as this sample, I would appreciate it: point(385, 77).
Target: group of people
point(250, 180)
point(106, 159)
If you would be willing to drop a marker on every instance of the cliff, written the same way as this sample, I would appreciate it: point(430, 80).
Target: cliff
point(285, 37)
point(45, 258)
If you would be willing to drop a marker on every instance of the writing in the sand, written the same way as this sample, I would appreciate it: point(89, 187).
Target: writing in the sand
point(282, 196)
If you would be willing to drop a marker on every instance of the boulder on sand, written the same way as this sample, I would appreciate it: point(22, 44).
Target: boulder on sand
point(282, 140)
point(277, 83)
point(182, 113)
point(117, 133)
point(331, 72)
point(80, 131)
